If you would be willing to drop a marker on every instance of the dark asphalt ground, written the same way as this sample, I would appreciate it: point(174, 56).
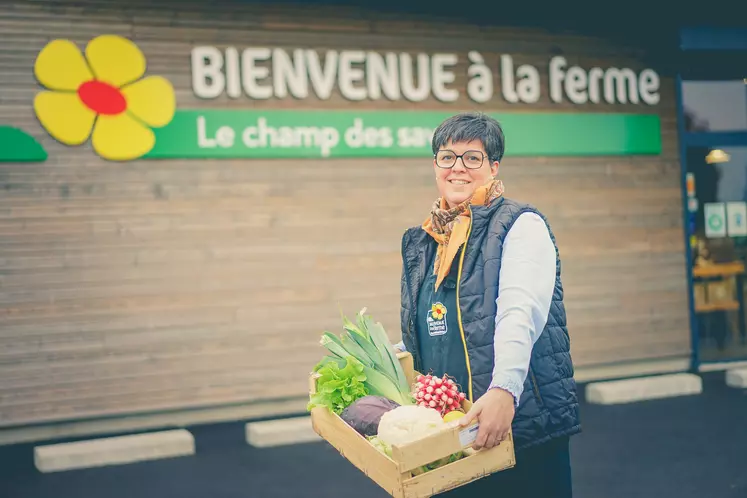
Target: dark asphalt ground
point(689, 447)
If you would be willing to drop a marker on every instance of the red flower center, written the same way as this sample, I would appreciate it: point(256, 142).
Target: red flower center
point(102, 98)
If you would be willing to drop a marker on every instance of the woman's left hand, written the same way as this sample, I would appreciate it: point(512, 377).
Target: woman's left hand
point(494, 412)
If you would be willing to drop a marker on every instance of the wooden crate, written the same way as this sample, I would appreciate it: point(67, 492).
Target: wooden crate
point(395, 475)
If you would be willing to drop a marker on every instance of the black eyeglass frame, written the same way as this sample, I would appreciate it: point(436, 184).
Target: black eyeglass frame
point(460, 156)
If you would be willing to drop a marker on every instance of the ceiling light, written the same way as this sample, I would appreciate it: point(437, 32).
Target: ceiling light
point(717, 156)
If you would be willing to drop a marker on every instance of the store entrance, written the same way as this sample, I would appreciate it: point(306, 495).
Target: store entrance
point(717, 224)
point(713, 125)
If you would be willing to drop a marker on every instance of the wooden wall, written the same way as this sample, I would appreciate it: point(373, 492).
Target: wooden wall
point(155, 285)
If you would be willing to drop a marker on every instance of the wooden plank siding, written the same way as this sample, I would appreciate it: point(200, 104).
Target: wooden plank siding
point(170, 284)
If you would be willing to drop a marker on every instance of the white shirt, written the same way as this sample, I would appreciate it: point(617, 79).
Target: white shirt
point(525, 289)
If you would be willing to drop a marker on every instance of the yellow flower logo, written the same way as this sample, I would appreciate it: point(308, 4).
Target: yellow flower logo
point(103, 96)
point(438, 311)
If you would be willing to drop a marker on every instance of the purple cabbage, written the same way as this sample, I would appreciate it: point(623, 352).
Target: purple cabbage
point(364, 414)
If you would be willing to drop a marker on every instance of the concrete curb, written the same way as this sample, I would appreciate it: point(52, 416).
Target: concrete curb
point(130, 424)
point(281, 432)
point(645, 388)
point(737, 378)
point(113, 450)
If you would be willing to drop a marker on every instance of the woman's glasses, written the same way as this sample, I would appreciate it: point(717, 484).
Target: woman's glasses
point(472, 159)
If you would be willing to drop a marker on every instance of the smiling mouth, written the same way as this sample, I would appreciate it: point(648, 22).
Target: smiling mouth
point(458, 182)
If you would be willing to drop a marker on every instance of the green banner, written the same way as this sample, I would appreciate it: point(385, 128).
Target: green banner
point(18, 146)
point(302, 134)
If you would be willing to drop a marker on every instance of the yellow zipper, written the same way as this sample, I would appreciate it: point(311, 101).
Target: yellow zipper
point(459, 308)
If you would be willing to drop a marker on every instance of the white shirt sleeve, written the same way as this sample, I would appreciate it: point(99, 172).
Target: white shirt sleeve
point(526, 284)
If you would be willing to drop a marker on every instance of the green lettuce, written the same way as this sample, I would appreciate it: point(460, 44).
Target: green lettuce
point(338, 387)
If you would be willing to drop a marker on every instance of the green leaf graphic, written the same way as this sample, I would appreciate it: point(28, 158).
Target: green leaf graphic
point(18, 146)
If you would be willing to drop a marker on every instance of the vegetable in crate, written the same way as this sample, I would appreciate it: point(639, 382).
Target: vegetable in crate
point(338, 386)
point(368, 343)
point(406, 424)
point(365, 413)
point(440, 393)
point(440, 463)
point(379, 445)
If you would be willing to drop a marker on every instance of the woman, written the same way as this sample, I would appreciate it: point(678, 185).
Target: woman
point(482, 301)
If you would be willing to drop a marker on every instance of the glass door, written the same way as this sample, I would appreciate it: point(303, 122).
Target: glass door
point(717, 226)
point(713, 134)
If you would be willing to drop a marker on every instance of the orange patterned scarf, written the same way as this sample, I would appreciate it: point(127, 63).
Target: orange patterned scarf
point(449, 226)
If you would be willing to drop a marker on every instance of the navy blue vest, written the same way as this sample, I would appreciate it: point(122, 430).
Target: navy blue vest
point(548, 407)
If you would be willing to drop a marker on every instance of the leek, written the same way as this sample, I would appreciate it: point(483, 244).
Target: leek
point(379, 384)
point(363, 339)
point(368, 343)
point(356, 350)
point(378, 333)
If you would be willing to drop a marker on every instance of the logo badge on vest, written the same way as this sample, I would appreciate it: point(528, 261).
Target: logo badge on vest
point(437, 320)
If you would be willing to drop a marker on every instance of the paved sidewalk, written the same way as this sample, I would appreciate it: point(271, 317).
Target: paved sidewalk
point(689, 447)
point(692, 447)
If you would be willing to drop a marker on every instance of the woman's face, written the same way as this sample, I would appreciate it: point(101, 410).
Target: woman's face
point(458, 183)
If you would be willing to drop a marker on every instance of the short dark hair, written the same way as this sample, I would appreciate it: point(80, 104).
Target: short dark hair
point(469, 126)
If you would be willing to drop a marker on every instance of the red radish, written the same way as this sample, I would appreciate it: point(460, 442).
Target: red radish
point(440, 393)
